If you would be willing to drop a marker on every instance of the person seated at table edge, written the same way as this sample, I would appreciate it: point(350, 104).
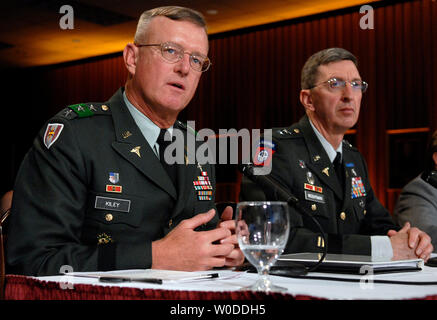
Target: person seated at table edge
point(93, 194)
point(417, 202)
point(311, 160)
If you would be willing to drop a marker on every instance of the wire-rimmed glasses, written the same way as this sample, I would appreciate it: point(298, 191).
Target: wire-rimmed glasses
point(173, 53)
point(337, 84)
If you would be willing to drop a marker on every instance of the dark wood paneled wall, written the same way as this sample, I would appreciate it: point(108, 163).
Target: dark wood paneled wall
point(255, 79)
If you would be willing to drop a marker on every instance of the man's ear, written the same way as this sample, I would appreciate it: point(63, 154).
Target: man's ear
point(130, 54)
point(306, 99)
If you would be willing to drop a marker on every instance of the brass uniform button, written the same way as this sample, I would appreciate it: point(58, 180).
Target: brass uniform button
point(313, 207)
point(343, 216)
point(170, 223)
point(105, 107)
point(364, 212)
point(109, 217)
point(296, 130)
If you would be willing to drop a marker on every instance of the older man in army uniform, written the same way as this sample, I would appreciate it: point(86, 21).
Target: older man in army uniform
point(328, 175)
point(92, 192)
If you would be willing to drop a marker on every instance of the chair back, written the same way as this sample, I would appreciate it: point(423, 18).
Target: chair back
point(3, 219)
point(6, 203)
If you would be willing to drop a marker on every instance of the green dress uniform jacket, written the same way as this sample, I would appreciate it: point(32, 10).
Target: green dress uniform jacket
point(95, 195)
point(349, 215)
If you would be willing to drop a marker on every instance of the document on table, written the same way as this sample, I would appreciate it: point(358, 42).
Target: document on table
point(146, 275)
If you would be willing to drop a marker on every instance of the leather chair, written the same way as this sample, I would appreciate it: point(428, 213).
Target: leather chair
point(6, 202)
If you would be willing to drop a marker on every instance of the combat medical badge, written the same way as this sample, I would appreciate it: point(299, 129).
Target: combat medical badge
point(52, 133)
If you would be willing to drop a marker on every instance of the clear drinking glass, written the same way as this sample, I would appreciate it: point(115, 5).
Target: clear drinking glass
point(262, 229)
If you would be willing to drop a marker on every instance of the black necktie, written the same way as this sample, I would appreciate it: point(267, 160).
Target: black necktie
point(339, 169)
point(170, 168)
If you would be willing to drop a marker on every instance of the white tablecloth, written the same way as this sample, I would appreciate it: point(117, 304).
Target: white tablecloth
point(228, 280)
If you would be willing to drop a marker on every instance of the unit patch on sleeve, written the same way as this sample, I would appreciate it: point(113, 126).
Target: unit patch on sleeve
point(264, 153)
point(52, 133)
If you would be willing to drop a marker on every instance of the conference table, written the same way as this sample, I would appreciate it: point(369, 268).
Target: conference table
point(318, 294)
point(227, 286)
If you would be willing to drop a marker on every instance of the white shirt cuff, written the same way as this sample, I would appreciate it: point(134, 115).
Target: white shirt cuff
point(381, 248)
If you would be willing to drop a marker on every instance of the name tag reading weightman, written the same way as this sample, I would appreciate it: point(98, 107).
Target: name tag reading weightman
point(112, 204)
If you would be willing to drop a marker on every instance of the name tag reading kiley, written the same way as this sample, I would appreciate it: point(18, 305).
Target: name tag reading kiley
point(106, 203)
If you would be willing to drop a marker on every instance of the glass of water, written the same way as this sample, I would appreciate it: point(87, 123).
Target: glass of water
point(262, 229)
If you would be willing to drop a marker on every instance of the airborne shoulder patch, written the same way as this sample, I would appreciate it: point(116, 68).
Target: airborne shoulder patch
point(264, 153)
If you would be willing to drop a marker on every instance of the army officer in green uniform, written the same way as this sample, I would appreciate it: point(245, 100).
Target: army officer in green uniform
point(328, 175)
point(93, 193)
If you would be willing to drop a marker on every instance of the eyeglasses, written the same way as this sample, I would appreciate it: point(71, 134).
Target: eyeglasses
point(337, 84)
point(173, 53)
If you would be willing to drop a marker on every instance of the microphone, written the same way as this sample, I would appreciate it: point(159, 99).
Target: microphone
point(266, 182)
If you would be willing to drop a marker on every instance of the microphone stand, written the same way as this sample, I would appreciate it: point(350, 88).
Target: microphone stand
point(267, 182)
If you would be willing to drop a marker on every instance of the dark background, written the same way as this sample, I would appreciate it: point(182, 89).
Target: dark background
point(254, 83)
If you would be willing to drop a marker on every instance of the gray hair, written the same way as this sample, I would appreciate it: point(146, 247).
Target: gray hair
point(171, 12)
point(311, 68)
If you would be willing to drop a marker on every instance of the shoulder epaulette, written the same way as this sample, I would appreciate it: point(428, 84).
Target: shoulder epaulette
point(84, 110)
point(286, 133)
